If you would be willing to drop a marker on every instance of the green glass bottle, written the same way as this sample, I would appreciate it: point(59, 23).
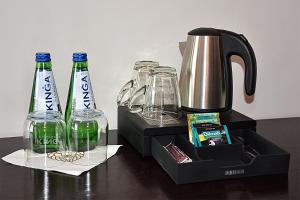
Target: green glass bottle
point(44, 98)
point(81, 97)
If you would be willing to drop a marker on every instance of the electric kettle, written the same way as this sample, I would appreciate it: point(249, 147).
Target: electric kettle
point(206, 76)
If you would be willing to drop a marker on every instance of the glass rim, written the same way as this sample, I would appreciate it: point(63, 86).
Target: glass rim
point(86, 114)
point(145, 64)
point(164, 69)
point(44, 115)
point(163, 74)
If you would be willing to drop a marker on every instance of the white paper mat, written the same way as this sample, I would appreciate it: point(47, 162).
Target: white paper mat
point(18, 158)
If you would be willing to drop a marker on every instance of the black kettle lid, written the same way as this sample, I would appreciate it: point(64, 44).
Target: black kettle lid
point(205, 31)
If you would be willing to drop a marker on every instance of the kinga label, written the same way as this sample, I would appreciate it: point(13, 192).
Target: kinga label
point(45, 96)
point(45, 140)
point(83, 97)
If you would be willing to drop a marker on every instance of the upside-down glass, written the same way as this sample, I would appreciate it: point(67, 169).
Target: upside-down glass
point(44, 135)
point(162, 99)
point(88, 136)
point(140, 77)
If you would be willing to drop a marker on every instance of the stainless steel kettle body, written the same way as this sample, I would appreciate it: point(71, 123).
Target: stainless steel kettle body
point(206, 77)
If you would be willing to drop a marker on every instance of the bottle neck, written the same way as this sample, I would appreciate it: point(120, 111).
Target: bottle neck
point(80, 65)
point(44, 65)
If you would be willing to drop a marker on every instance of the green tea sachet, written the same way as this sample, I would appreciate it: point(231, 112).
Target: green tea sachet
point(205, 129)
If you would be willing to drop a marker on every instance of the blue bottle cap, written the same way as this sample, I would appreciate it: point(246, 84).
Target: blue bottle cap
point(79, 57)
point(42, 57)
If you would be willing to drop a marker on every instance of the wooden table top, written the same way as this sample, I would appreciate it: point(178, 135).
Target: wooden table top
point(129, 176)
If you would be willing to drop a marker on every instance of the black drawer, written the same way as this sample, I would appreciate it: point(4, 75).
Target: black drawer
point(249, 155)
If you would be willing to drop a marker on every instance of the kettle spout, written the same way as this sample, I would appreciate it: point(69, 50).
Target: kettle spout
point(182, 46)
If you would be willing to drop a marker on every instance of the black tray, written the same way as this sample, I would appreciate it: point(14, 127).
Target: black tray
point(249, 155)
point(138, 131)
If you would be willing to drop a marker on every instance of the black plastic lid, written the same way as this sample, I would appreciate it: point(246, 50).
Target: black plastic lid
point(205, 31)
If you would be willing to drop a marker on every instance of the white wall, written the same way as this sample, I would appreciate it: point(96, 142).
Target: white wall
point(117, 33)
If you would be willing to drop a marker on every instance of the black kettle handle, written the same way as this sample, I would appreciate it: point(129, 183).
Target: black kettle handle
point(237, 44)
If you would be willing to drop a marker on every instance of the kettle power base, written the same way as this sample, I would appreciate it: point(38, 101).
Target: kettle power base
point(250, 156)
point(138, 131)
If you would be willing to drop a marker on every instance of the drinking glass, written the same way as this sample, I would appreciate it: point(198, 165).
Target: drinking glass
point(140, 77)
point(162, 98)
point(88, 137)
point(44, 136)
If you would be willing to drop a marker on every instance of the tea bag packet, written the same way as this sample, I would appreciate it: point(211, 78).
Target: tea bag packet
point(205, 129)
